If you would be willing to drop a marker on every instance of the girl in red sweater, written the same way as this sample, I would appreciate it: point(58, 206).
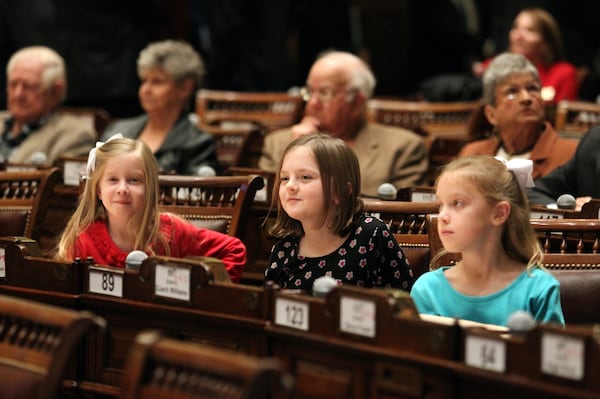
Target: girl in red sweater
point(118, 213)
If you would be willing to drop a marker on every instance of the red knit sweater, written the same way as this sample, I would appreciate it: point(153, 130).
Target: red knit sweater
point(183, 239)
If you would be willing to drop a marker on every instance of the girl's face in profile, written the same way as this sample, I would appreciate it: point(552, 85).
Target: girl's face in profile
point(122, 188)
point(301, 189)
point(465, 215)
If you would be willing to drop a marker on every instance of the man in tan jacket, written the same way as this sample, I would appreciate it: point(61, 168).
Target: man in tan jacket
point(338, 87)
point(32, 130)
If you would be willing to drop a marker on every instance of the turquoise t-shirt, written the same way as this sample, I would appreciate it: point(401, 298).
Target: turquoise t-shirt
point(535, 291)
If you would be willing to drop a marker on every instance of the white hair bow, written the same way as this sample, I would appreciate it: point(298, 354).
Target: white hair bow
point(91, 161)
point(522, 168)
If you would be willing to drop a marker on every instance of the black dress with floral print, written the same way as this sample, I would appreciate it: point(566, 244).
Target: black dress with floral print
point(369, 257)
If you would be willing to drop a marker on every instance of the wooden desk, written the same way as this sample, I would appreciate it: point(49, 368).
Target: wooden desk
point(29, 275)
point(352, 343)
point(393, 354)
point(357, 343)
point(217, 313)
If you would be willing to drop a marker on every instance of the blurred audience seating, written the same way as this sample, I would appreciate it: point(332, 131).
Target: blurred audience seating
point(236, 147)
point(97, 118)
point(270, 111)
point(24, 198)
point(444, 126)
point(575, 118)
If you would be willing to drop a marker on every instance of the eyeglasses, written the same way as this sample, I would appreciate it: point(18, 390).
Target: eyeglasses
point(324, 94)
point(512, 92)
point(25, 86)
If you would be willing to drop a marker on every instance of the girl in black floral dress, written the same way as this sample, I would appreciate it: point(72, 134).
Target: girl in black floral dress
point(322, 225)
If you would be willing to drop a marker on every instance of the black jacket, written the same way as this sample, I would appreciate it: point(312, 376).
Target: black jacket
point(580, 176)
point(185, 149)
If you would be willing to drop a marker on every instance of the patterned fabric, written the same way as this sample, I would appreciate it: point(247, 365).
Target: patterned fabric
point(369, 257)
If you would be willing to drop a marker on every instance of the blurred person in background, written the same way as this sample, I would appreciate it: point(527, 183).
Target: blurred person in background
point(170, 72)
point(336, 93)
point(536, 35)
point(32, 129)
point(513, 105)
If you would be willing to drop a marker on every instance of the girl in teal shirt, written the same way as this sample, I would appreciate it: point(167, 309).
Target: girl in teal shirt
point(484, 215)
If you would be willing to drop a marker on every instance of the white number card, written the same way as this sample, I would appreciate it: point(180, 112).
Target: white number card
point(293, 314)
point(563, 356)
point(72, 172)
point(419, 196)
point(106, 282)
point(172, 282)
point(357, 316)
point(544, 215)
point(485, 353)
point(2, 262)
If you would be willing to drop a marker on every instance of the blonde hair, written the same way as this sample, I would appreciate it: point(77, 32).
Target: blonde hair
point(496, 183)
point(340, 178)
point(90, 207)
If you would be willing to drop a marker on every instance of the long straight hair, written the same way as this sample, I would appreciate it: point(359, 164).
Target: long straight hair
point(144, 227)
point(496, 183)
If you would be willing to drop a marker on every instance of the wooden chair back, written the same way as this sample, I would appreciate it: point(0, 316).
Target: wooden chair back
point(572, 254)
point(219, 203)
point(239, 147)
point(160, 367)
point(562, 240)
point(24, 197)
point(445, 126)
point(37, 344)
point(575, 118)
point(271, 111)
point(97, 118)
point(591, 209)
point(425, 118)
point(568, 236)
point(408, 223)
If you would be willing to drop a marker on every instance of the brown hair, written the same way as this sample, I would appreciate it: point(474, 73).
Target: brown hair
point(340, 176)
point(550, 31)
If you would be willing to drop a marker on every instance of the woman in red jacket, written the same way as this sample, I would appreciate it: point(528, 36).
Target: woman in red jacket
point(536, 35)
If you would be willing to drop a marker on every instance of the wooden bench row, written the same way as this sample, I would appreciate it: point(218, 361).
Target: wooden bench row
point(352, 343)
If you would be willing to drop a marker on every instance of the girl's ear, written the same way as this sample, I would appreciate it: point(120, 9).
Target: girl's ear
point(501, 213)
